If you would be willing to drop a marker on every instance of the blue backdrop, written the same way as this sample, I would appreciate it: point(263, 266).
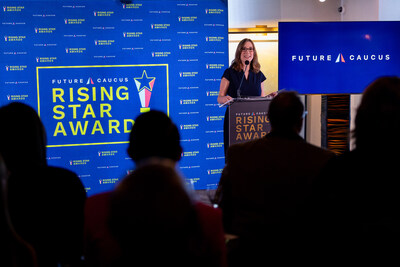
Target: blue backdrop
point(336, 57)
point(90, 67)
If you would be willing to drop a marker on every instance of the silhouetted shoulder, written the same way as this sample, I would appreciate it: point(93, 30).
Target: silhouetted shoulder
point(315, 149)
point(62, 174)
point(63, 180)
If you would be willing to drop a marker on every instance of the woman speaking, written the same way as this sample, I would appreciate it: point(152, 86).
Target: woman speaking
point(252, 82)
point(242, 78)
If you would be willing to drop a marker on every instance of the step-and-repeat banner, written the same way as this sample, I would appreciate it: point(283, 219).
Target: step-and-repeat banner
point(90, 68)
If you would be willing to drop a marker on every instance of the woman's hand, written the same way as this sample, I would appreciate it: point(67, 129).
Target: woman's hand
point(272, 95)
point(224, 99)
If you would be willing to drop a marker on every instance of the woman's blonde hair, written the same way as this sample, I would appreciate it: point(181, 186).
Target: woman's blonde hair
point(237, 63)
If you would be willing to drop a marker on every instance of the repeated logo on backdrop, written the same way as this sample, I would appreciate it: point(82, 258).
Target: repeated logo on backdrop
point(90, 67)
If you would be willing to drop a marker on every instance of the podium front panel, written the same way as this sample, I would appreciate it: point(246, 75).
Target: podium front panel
point(248, 120)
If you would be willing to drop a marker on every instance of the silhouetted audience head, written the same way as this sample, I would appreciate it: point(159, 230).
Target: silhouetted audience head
point(377, 124)
point(286, 112)
point(153, 218)
point(154, 135)
point(45, 203)
point(22, 137)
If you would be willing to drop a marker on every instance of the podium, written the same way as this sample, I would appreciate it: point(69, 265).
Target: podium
point(248, 119)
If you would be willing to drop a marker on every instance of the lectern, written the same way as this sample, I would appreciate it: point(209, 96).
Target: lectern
point(248, 119)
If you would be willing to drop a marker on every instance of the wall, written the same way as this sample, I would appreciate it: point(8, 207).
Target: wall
point(389, 10)
point(261, 12)
point(249, 13)
point(360, 10)
point(309, 10)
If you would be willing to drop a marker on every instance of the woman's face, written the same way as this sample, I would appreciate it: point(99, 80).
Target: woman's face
point(247, 52)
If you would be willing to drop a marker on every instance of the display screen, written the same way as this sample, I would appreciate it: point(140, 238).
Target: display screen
point(337, 57)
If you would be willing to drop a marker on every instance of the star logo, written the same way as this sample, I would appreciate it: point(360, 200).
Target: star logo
point(144, 86)
point(144, 82)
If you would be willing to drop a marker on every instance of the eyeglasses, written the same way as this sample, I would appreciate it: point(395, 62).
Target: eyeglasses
point(250, 49)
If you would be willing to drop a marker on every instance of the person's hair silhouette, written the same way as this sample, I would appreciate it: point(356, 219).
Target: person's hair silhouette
point(45, 203)
point(22, 138)
point(154, 135)
point(377, 124)
point(286, 112)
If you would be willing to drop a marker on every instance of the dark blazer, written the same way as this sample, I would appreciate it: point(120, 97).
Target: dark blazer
point(356, 208)
point(46, 206)
point(266, 183)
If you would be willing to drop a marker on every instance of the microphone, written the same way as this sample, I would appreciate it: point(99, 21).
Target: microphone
point(246, 63)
